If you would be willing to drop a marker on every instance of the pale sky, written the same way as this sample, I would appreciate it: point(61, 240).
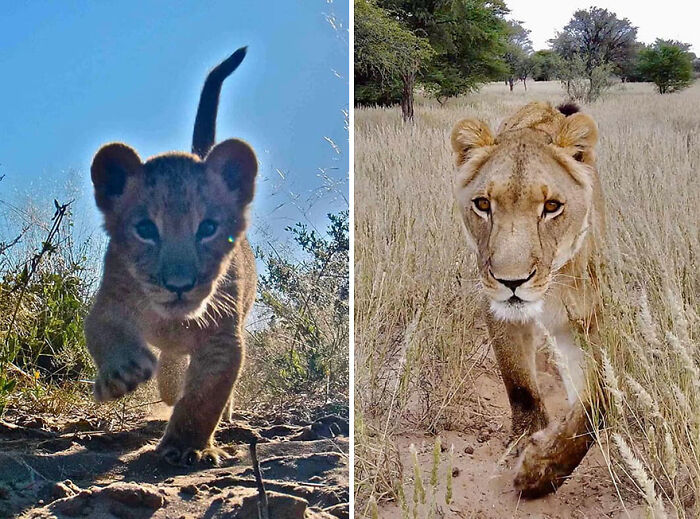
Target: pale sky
point(668, 19)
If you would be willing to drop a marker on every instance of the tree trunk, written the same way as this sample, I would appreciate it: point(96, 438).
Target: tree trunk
point(409, 81)
point(525, 84)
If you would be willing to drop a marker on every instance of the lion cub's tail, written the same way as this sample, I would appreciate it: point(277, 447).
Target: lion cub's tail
point(204, 135)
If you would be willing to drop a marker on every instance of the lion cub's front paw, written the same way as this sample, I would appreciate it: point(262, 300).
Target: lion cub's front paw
point(177, 452)
point(124, 374)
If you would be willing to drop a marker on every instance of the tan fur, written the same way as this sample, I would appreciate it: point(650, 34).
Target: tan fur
point(470, 134)
point(179, 276)
point(547, 261)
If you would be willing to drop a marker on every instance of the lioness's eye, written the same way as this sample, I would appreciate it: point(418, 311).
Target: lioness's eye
point(551, 206)
point(482, 204)
point(207, 229)
point(147, 230)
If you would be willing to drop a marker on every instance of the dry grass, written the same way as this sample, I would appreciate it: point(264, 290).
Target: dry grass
point(417, 321)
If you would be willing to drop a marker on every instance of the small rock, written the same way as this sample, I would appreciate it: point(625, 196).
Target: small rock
point(280, 505)
point(63, 489)
point(341, 511)
point(190, 490)
point(132, 494)
point(469, 449)
point(73, 505)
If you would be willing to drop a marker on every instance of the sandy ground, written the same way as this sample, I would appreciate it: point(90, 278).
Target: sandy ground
point(483, 473)
point(52, 468)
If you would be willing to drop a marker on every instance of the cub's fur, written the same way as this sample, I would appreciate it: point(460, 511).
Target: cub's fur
point(532, 206)
point(179, 275)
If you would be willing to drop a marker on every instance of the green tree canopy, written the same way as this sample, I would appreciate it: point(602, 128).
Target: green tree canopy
point(306, 307)
point(593, 45)
point(387, 54)
point(598, 36)
point(468, 37)
point(546, 65)
point(668, 64)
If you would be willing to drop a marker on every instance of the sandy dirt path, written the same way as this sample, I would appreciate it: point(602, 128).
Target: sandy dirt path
point(483, 478)
point(60, 469)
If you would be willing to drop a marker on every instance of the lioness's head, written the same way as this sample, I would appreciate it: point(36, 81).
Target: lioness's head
point(174, 219)
point(525, 197)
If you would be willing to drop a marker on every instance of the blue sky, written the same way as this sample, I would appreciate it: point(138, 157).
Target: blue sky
point(77, 74)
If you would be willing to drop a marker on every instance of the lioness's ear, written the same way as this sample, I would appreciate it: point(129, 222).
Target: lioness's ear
point(112, 165)
point(578, 134)
point(235, 161)
point(468, 135)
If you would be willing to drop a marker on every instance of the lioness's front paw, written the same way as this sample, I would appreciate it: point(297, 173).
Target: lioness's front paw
point(514, 444)
point(541, 469)
point(176, 452)
point(123, 375)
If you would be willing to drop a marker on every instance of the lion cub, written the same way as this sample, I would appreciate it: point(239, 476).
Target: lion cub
point(532, 206)
point(179, 275)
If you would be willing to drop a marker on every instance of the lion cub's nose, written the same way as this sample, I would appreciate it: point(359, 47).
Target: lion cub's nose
point(179, 282)
point(514, 283)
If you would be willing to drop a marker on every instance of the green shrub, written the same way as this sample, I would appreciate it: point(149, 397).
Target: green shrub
point(302, 347)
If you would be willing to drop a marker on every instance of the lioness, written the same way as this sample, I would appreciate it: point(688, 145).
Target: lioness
point(532, 205)
point(179, 275)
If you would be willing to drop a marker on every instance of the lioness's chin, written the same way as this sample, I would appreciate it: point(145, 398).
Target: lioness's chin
point(180, 309)
point(522, 311)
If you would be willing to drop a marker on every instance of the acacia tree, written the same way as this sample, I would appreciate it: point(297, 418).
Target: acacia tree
point(386, 51)
point(594, 43)
point(525, 68)
point(468, 38)
point(517, 55)
point(668, 64)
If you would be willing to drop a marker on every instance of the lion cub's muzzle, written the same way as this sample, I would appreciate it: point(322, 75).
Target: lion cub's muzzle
point(178, 279)
point(181, 290)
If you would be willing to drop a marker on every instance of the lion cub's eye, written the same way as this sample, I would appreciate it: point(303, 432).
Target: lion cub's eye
point(146, 230)
point(207, 229)
point(482, 204)
point(552, 206)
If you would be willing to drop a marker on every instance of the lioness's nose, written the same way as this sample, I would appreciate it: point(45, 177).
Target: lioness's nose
point(513, 283)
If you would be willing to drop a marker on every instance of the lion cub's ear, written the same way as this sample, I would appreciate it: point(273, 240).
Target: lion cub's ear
point(111, 167)
point(235, 161)
point(468, 135)
point(578, 135)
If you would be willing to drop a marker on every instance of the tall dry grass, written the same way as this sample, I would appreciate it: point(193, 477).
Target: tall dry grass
point(416, 311)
